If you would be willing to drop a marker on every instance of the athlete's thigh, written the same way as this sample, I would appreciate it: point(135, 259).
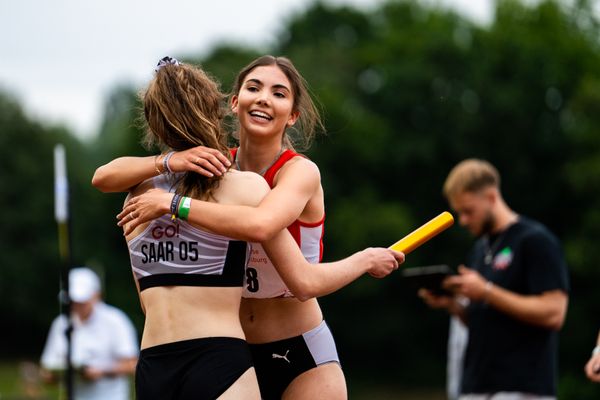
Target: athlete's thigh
point(326, 381)
point(245, 388)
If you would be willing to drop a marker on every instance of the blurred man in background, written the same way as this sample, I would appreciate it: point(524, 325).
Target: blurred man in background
point(104, 343)
point(516, 281)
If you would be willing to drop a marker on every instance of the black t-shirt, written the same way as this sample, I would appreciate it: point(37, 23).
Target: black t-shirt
point(504, 354)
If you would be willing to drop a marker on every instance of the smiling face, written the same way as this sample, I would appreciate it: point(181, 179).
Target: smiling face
point(265, 102)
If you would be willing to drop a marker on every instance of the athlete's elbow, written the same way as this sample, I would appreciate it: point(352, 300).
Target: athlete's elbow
point(304, 297)
point(99, 181)
point(261, 231)
point(303, 291)
point(257, 234)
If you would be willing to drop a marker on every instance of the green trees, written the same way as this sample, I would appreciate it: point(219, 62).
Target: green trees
point(29, 266)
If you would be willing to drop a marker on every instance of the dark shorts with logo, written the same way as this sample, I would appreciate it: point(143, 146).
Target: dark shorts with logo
point(278, 363)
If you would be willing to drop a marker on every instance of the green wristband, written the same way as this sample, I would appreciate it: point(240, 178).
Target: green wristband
point(184, 208)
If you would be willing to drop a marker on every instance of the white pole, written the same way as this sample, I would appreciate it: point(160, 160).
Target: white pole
point(61, 212)
point(61, 185)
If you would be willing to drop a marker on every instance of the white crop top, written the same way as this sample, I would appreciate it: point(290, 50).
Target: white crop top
point(176, 253)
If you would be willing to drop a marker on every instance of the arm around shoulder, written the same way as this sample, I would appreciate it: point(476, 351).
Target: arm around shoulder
point(298, 183)
point(239, 212)
point(122, 173)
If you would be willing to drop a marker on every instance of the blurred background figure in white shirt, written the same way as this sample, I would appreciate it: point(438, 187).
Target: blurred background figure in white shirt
point(105, 345)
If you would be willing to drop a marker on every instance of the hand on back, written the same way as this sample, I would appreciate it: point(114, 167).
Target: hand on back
point(200, 159)
point(143, 208)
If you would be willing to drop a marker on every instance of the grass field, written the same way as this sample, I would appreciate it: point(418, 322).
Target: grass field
point(19, 381)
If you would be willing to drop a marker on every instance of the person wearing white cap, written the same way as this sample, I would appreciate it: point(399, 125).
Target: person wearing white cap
point(104, 343)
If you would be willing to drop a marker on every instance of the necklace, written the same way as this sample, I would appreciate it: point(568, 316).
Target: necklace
point(491, 249)
point(262, 171)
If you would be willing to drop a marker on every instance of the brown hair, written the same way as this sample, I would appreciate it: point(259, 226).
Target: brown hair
point(471, 175)
point(309, 120)
point(183, 108)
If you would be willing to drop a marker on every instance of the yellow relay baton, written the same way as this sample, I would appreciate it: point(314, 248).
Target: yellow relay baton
point(425, 232)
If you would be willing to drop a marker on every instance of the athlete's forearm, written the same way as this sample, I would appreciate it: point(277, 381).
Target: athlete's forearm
point(283, 205)
point(121, 174)
point(325, 278)
point(252, 224)
point(307, 280)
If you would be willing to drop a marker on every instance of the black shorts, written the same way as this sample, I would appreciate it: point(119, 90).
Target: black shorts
point(278, 363)
point(198, 369)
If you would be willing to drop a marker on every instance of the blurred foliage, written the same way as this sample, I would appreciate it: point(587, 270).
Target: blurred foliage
point(406, 92)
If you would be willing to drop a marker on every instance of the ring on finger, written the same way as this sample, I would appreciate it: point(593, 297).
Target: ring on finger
point(131, 215)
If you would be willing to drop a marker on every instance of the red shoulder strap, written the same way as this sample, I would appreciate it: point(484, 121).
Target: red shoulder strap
point(283, 158)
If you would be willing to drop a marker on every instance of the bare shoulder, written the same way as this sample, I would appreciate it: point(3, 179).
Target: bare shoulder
point(299, 172)
point(301, 167)
point(242, 188)
point(303, 163)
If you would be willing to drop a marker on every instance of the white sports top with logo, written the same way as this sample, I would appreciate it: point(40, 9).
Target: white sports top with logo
point(262, 279)
point(175, 253)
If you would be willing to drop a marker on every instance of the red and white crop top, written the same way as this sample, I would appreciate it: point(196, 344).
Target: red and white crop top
point(262, 279)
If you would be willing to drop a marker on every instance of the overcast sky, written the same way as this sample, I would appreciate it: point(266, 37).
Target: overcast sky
point(60, 58)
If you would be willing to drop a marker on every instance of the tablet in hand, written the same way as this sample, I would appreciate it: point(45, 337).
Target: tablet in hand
point(429, 277)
